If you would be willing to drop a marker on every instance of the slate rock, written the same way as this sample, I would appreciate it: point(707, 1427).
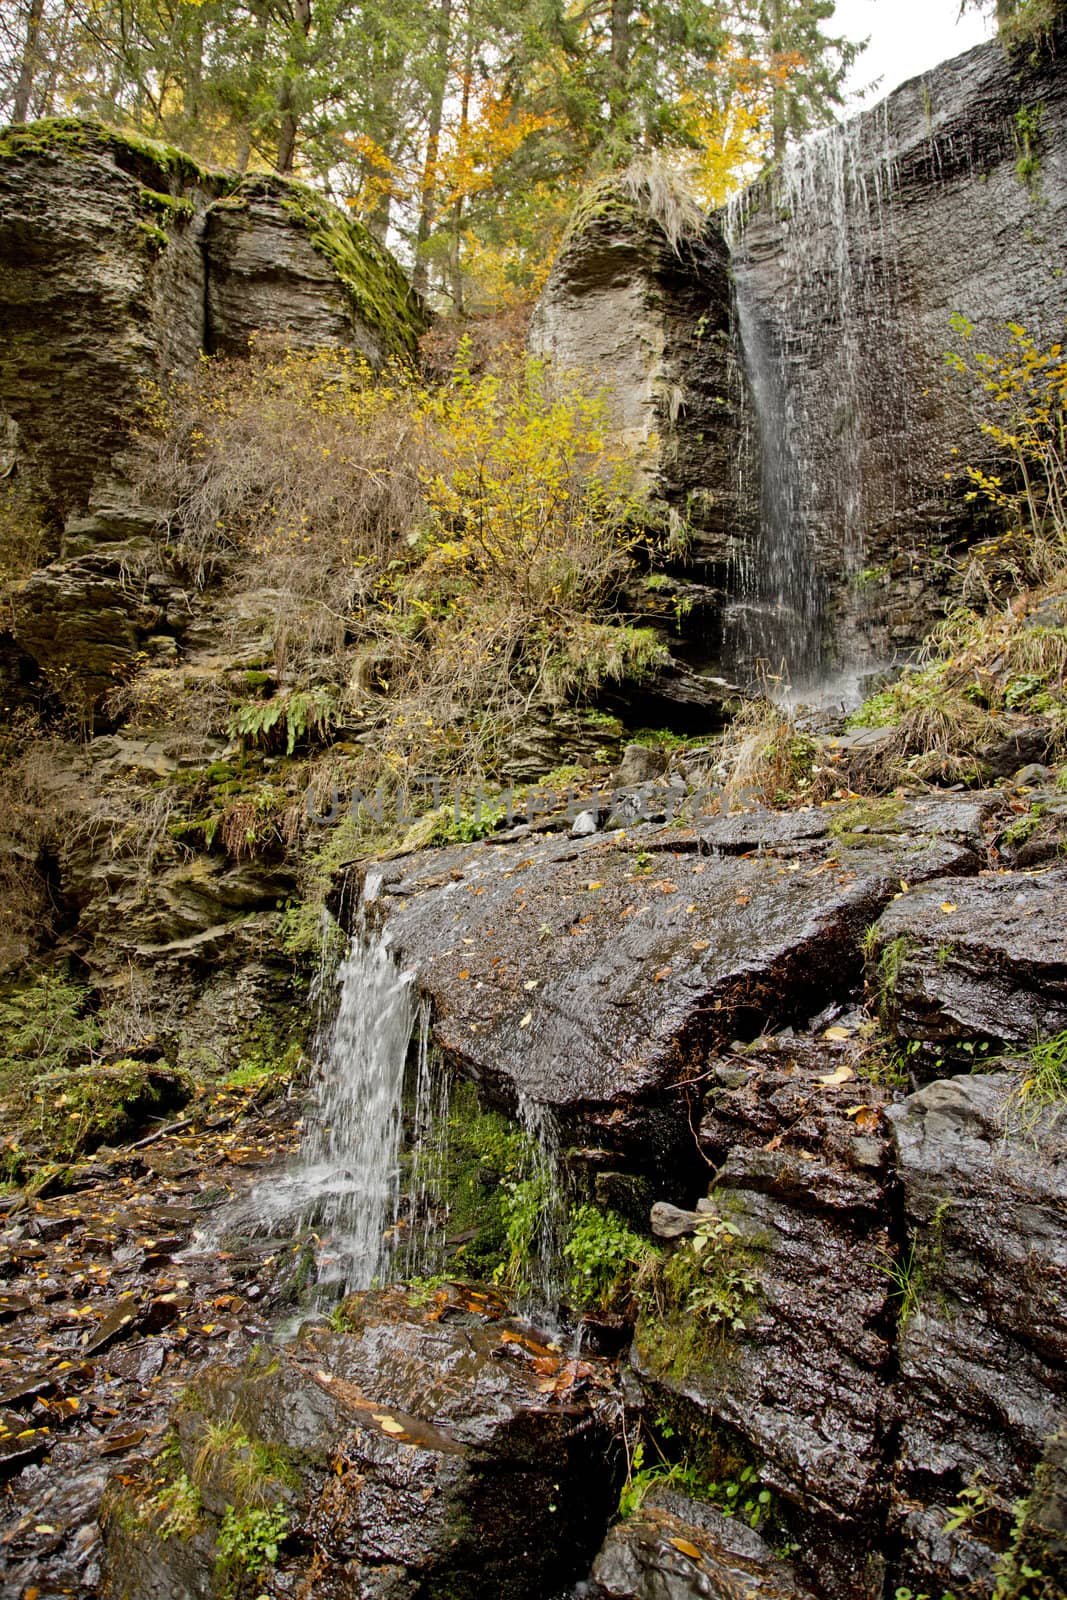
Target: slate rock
point(674, 1548)
point(980, 962)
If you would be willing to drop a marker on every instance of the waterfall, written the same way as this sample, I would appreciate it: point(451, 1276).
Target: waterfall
point(350, 1160)
point(804, 310)
point(344, 1184)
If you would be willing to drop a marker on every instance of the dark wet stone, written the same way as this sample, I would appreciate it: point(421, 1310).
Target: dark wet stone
point(679, 1549)
point(983, 1352)
point(417, 1454)
point(592, 976)
point(978, 962)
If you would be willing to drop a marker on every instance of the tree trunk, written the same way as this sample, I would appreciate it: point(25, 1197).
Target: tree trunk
point(287, 106)
point(619, 84)
point(28, 64)
point(433, 145)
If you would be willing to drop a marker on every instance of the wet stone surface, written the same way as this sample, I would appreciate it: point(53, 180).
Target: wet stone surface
point(424, 1446)
point(108, 1305)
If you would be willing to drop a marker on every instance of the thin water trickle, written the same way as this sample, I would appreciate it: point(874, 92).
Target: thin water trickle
point(802, 329)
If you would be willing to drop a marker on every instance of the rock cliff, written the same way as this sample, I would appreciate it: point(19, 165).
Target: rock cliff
point(123, 259)
point(832, 286)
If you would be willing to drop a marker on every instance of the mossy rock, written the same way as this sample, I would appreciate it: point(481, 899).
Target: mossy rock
point(69, 1113)
point(373, 281)
point(158, 166)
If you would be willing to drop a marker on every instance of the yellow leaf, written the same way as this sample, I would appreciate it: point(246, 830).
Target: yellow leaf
point(948, 906)
point(687, 1549)
point(838, 1033)
point(388, 1424)
point(833, 1080)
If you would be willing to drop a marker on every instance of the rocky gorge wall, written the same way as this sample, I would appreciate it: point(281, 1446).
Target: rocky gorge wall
point(830, 287)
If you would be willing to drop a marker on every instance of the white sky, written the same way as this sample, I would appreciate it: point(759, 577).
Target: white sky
point(907, 37)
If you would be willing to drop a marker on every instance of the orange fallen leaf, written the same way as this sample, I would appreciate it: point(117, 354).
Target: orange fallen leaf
point(686, 1549)
point(664, 972)
point(701, 944)
point(464, 973)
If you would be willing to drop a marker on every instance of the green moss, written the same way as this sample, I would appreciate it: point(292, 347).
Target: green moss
point(143, 158)
point(373, 281)
point(854, 823)
point(168, 207)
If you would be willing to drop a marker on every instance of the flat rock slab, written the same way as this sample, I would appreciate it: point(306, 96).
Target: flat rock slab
point(577, 972)
point(678, 1549)
point(982, 961)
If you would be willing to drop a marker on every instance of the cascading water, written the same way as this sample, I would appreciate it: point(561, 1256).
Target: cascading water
point(344, 1185)
point(804, 357)
point(350, 1162)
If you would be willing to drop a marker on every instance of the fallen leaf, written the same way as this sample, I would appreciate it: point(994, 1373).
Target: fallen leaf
point(464, 974)
point(742, 900)
point(838, 1033)
point(531, 983)
point(833, 1080)
point(388, 1424)
point(527, 1019)
point(948, 906)
point(664, 972)
point(701, 944)
point(596, 884)
point(686, 1549)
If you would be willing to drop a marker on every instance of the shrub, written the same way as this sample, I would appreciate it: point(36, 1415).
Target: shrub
point(428, 562)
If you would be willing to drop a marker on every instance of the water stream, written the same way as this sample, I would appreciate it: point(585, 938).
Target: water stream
point(801, 332)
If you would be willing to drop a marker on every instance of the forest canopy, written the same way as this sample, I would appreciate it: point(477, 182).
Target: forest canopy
point(461, 131)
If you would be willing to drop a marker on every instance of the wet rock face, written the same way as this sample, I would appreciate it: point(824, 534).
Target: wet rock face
point(122, 261)
point(593, 975)
point(650, 322)
point(983, 1346)
point(973, 964)
point(678, 1549)
point(412, 1456)
point(916, 210)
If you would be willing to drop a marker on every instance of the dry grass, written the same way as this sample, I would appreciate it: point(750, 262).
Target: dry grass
point(437, 559)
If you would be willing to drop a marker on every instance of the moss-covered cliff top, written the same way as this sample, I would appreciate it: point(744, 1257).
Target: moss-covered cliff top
point(153, 163)
point(373, 281)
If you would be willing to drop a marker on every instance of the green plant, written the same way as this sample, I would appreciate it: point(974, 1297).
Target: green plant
point(603, 1255)
point(179, 1506)
point(300, 713)
point(891, 963)
point(1028, 121)
point(693, 1301)
point(1044, 1081)
point(904, 1270)
point(248, 1541)
point(973, 1505)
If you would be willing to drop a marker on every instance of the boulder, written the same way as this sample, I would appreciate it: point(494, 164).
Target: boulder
point(587, 973)
point(418, 1452)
